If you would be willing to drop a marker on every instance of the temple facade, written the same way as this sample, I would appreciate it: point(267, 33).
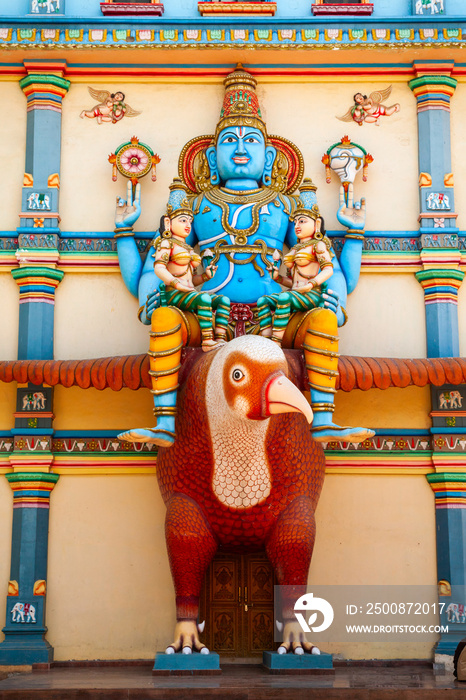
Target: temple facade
point(84, 572)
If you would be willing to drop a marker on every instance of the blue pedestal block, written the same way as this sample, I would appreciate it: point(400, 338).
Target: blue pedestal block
point(25, 649)
point(186, 664)
point(295, 663)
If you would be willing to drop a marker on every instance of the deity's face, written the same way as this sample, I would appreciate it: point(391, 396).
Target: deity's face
point(359, 98)
point(180, 225)
point(304, 227)
point(119, 97)
point(241, 153)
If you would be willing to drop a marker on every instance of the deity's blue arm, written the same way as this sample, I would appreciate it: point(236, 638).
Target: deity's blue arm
point(354, 218)
point(130, 263)
point(129, 258)
point(148, 288)
point(350, 262)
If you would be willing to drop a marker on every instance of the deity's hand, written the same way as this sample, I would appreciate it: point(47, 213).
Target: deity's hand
point(128, 212)
point(330, 300)
point(353, 217)
point(152, 303)
point(210, 271)
point(304, 289)
point(183, 286)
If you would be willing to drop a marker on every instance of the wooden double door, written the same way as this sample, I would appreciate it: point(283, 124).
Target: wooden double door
point(237, 605)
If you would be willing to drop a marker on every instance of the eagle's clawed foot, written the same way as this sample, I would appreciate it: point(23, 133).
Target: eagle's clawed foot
point(294, 640)
point(187, 638)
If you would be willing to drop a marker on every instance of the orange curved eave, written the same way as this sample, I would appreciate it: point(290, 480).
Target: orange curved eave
point(132, 371)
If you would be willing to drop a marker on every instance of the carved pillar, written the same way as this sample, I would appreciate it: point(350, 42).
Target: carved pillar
point(25, 608)
point(45, 87)
point(37, 277)
point(434, 87)
point(441, 278)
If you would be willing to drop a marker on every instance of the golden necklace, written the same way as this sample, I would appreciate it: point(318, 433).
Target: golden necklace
point(223, 197)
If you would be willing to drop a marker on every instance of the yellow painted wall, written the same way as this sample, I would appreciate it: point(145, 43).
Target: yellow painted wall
point(407, 408)
point(86, 173)
point(7, 405)
point(9, 295)
point(12, 148)
point(376, 530)
point(90, 409)
point(386, 318)
point(88, 194)
point(306, 114)
point(6, 516)
point(110, 593)
point(96, 316)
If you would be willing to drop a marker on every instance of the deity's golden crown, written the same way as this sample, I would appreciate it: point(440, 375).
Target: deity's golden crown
point(240, 104)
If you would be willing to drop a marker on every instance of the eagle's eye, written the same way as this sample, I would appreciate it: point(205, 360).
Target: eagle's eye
point(237, 375)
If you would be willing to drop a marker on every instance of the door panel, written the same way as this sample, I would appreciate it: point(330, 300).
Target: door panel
point(237, 604)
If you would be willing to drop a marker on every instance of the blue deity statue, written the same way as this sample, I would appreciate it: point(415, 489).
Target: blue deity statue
point(242, 215)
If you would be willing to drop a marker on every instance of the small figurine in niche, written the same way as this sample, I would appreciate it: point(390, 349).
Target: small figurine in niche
point(435, 6)
point(369, 109)
point(309, 264)
point(175, 263)
point(111, 108)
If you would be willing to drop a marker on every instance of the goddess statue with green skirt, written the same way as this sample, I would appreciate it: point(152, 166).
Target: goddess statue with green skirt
point(309, 264)
point(175, 263)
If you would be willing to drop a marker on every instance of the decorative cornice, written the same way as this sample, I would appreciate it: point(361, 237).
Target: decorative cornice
point(131, 9)
point(132, 371)
point(440, 286)
point(32, 490)
point(244, 31)
point(449, 489)
point(341, 9)
point(257, 7)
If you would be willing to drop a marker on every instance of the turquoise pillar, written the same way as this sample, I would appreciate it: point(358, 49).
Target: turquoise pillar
point(25, 628)
point(37, 276)
point(441, 278)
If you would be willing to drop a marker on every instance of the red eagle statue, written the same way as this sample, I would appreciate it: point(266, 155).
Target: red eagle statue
point(243, 472)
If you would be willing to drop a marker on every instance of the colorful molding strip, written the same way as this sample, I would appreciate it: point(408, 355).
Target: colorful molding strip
point(132, 371)
point(440, 286)
point(449, 490)
point(141, 9)
point(433, 92)
point(32, 490)
point(44, 91)
point(37, 284)
point(387, 454)
point(226, 8)
point(339, 9)
point(266, 37)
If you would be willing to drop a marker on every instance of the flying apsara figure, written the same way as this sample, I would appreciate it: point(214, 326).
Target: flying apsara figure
point(111, 108)
point(369, 109)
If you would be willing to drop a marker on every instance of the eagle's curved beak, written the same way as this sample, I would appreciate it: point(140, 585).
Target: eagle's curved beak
point(282, 396)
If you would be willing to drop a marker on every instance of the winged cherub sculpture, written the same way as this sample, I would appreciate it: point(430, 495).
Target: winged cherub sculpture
point(369, 109)
point(111, 108)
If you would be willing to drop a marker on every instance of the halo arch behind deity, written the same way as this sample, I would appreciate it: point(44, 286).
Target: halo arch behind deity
point(193, 168)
